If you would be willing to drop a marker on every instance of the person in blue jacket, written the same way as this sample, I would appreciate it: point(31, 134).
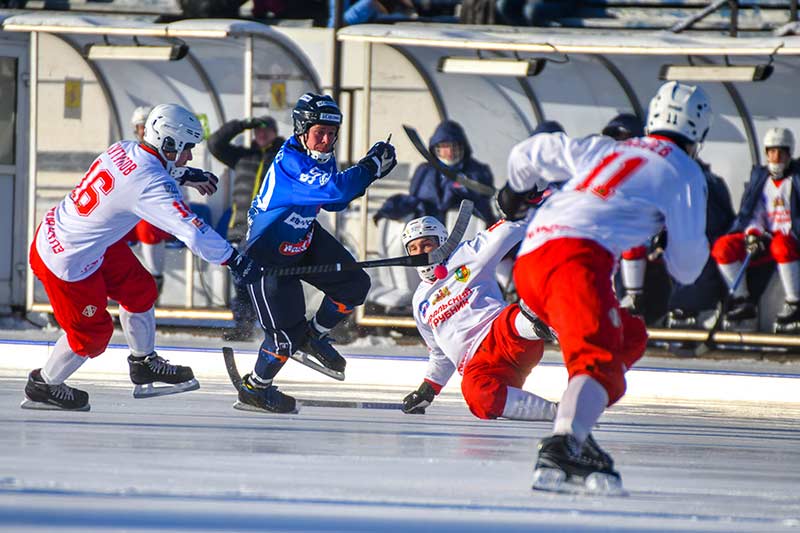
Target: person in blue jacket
point(283, 230)
point(432, 193)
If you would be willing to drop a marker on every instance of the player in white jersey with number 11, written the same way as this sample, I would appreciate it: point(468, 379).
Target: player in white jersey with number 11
point(80, 257)
point(617, 195)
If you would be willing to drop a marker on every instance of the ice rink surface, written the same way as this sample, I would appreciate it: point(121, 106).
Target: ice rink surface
point(190, 462)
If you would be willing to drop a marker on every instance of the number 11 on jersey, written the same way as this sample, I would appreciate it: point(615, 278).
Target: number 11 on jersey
point(607, 188)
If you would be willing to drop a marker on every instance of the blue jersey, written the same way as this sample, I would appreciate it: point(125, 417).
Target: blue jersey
point(294, 189)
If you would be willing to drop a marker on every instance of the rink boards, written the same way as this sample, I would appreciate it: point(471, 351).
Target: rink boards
point(651, 379)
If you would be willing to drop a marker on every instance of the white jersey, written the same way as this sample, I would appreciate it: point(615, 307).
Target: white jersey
point(773, 212)
point(454, 314)
point(618, 194)
point(125, 183)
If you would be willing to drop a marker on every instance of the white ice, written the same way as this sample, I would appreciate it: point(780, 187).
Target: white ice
point(190, 462)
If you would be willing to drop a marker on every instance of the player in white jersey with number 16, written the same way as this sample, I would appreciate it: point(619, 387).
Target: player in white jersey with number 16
point(617, 195)
point(81, 260)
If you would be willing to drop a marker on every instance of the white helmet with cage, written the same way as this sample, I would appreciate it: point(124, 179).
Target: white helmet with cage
point(172, 128)
point(681, 109)
point(424, 227)
point(779, 138)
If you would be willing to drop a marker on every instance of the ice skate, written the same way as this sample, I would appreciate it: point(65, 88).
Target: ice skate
point(40, 395)
point(253, 397)
point(741, 316)
point(682, 319)
point(563, 466)
point(317, 353)
point(788, 319)
point(155, 376)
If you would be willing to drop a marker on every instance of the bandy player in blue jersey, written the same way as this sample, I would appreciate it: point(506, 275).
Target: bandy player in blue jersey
point(283, 230)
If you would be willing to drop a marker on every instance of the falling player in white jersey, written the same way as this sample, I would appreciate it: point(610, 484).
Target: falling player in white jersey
point(616, 196)
point(81, 260)
point(469, 328)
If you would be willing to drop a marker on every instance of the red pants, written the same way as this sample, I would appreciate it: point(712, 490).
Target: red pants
point(147, 233)
point(567, 283)
point(80, 306)
point(503, 359)
point(730, 248)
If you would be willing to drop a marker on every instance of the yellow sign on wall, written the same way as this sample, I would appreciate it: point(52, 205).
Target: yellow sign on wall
point(278, 90)
point(72, 98)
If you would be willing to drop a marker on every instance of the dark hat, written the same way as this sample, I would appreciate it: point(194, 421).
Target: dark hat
point(265, 122)
point(624, 125)
point(548, 126)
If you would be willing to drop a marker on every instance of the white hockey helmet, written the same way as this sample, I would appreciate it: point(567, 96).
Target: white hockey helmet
point(424, 227)
point(779, 138)
point(172, 128)
point(140, 114)
point(682, 109)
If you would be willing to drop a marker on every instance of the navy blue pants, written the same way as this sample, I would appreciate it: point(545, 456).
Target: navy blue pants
point(280, 304)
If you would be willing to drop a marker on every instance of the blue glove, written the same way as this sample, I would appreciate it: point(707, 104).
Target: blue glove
point(245, 271)
point(380, 160)
point(205, 182)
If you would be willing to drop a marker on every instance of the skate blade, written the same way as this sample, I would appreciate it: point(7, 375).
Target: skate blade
point(549, 480)
point(152, 390)
point(305, 359)
point(241, 406)
point(597, 484)
point(41, 406)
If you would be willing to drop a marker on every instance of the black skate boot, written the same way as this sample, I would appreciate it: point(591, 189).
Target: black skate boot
point(564, 466)
point(254, 396)
point(149, 370)
point(741, 315)
point(682, 319)
point(788, 319)
point(318, 346)
point(40, 395)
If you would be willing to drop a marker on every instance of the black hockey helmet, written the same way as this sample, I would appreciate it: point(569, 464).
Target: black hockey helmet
point(315, 109)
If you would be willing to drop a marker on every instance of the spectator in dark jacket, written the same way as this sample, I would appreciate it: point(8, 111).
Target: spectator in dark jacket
point(433, 194)
point(249, 166)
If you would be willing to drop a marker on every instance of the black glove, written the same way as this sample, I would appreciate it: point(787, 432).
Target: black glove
point(416, 402)
point(755, 243)
point(245, 271)
point(515, 205)
point(258, 122)
point(205, 182)
point(541, 329)
point(380, 160)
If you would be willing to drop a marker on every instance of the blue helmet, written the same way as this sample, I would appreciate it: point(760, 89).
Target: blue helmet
point(315, 109)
